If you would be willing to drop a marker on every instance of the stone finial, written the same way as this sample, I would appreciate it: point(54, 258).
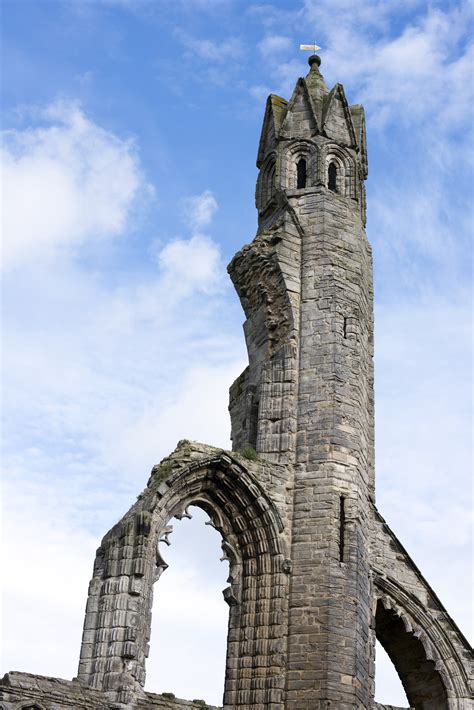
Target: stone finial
point(314, 59)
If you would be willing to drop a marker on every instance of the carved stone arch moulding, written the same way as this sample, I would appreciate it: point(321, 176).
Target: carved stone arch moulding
point(266, 182)
point(118, 615)
point(427, 662)
point(346, 169)
point(292, 153)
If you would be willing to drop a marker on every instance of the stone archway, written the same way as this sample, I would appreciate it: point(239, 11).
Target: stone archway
point(422, 683)
point(118, 616)
point(419, 646)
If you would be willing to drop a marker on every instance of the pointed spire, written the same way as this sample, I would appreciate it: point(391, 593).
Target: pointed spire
point(314, 79)
point(316, 85)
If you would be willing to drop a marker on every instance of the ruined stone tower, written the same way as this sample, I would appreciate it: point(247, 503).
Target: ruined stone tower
point(316, 575)
point(306, 399)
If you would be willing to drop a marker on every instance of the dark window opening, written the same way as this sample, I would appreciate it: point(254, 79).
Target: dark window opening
point(332, 177)
point(342, 525)
point(345, 327)
point(253, 423)
point(301, 173)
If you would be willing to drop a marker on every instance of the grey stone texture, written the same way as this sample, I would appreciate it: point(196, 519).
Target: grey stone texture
point(316, 575)
point(32, 692)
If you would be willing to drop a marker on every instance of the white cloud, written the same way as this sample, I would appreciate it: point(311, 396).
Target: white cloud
point(260, 93)
point(64, 183)
point(199, 210)
point(272, 46)
point(192, 264)
point(214, 51)
point(49, 559)
point(415, 75)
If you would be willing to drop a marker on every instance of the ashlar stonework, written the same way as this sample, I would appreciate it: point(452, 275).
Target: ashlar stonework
point(316, 575)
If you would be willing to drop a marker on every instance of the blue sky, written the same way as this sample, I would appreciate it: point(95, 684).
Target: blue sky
point(130, 132)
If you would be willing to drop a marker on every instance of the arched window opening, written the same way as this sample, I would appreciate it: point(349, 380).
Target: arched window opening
point(388, 686)
point(420, 678)
point(190, 617)
point(301, 174)
point(332, 177)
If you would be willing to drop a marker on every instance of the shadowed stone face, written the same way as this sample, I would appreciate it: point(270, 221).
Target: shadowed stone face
point(316, 575)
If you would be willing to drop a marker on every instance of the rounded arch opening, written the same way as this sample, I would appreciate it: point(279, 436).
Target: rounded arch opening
point(189, 615)
point(299, 165)
point(339, 172)
point(337, 177)
point(420, 678)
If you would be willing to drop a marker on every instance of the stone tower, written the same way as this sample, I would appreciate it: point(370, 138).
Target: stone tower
point(306, 399)
point(316, 575)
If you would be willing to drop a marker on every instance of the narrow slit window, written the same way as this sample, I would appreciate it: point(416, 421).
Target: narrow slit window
point(342, 525)
point(345, 328)
point(332, 177)
point(301, 174)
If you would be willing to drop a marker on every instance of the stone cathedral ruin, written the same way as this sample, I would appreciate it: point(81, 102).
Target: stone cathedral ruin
point(316, 575)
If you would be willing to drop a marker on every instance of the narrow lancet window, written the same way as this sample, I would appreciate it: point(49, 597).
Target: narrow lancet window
point(332, 177)
point(301, 174)
point(342, 526)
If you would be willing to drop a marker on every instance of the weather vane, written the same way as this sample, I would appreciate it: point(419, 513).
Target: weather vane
point(310, 47)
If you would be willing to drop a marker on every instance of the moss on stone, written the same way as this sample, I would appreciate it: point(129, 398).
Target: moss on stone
point(250, 454)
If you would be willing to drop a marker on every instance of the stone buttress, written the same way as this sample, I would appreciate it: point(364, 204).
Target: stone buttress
point(316, 574)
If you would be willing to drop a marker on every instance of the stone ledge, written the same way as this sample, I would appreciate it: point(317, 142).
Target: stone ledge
point(59, 694)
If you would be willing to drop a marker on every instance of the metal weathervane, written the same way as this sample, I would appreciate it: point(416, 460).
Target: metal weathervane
point(310, 47)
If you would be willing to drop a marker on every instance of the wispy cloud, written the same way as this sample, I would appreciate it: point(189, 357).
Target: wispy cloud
point(271, 46)
point(215, 51)
point(199, 210)
point(65, 182)
point(407, 76)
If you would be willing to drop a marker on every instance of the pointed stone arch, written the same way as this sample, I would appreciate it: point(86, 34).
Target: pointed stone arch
point(128, 563)
point(431, 672)
point(275, 112)
point(337, 120)
point(358, 118)
point(301, 116)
